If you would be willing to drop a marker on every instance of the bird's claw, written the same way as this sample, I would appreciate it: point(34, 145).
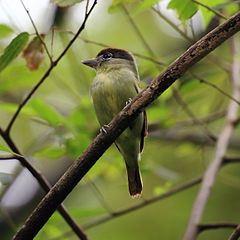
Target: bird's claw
point(103, 129)
point(129, 101)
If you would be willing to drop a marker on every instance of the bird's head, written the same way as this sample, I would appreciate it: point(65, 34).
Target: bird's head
point(111, 59)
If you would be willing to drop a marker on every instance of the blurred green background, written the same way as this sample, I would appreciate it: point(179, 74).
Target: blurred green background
point(59, 122)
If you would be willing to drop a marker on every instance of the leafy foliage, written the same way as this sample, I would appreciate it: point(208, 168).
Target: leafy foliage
point(13, 50)
point(185, 8)
point(5, 31)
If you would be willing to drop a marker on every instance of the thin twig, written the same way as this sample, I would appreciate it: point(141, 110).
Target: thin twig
point(144, 203)
point(43, 183)
point(137, 30)
point(217, 13)
point(231, 160)
point(37, 33)
point(185, 107)
point(212, 226)
point(214, 86)
point(86, 9)
point(176, 28)
point(100, 196)
point(54, 64)
point(236, 234)
point(205, 119)
point(8, 158)
point(103, 141)
point(221, 148)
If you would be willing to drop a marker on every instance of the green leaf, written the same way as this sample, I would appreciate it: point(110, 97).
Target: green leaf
point(13, 49)
point(145, 5)
point(50, 152)
point(116, 3)
point(6, 178)
point(45, 111)
point(5, 149)
point(12, 107)
point(65, 3)
point(185, 8)
point(5, 31)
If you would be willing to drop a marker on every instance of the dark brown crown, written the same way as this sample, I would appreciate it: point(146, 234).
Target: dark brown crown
point(117, 53)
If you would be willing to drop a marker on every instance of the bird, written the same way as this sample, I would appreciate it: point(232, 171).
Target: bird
point(116, 83)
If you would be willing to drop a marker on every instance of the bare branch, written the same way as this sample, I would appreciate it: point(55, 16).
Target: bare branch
point(236, 234)
point(37, 33)
point(103, 141)
point(221, 148)
point(44, 77)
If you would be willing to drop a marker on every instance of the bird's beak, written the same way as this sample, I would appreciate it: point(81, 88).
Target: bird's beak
point(91, 62)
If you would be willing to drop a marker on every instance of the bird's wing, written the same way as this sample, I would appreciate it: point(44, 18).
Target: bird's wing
point(144, 131)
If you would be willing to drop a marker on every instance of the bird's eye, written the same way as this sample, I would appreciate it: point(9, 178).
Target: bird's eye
point(107, 55)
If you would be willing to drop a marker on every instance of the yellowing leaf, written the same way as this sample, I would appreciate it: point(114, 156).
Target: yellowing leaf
point(33, 54)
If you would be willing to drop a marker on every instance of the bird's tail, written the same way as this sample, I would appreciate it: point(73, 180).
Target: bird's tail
point(134, 181)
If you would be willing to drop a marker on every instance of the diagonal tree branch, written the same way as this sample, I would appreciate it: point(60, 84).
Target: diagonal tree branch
point(52, 65)
point(221, 148)
point(103, 141)
point(236, 234)
point(43, 183)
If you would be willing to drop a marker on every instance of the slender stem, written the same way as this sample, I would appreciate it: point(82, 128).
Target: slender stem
point(37, 33)
point(217, 13)
point(191, 114)
point(144, 203)
point(212, 226)
point(176, 28)
point(214, 86)
point(137, 30)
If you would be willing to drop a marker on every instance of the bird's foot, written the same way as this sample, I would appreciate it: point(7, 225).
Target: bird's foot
point(128, 101)
point(103, 129)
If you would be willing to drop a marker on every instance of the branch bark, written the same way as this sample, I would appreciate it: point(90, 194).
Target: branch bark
point(236, 234)
point(221, 148)
point(103, 141)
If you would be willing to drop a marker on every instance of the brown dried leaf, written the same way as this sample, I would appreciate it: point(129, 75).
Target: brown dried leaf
point(34, 53)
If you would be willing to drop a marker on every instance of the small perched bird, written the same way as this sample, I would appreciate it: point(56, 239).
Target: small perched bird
point(115, 84)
